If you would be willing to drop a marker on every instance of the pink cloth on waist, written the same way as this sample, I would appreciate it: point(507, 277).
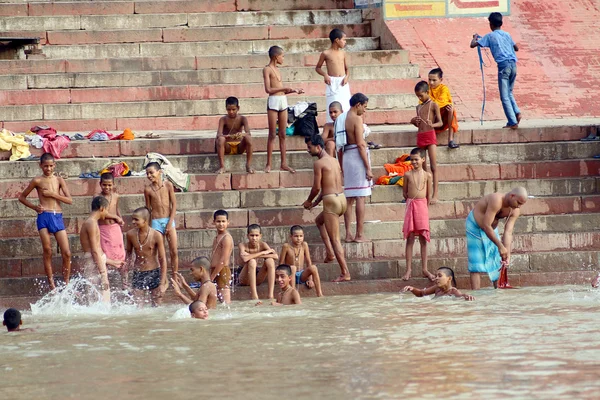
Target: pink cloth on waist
point(111, 241)
point(416, 219)
point(425, 139)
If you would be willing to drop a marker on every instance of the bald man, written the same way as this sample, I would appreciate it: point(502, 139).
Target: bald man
point(486, 252)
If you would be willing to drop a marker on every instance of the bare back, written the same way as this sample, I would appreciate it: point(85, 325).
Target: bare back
point(327, 131)
point(354, 128)
point(89, 235)
point(335, 60)
point(208, 294)
point(493, 204)
point(331, 175)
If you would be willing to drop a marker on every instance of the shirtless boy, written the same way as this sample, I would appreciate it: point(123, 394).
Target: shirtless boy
point(296, 254)
point(89, 236)
point(417, 193)
point(160, 200)
point(198, 310)
point(49, 220)
point(288, 295)
point(111, 235)
point(485, 251)
point(233, 135)
point(150, 262)
point(12, 321)
point(428, 118)
point(207, 292)
point(250, 253)
point(335, 110)
point(277, 106)
point(327, 186)
point(220, 260)
point(336, 77)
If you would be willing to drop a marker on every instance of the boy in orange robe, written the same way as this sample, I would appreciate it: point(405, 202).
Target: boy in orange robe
point(441, 95)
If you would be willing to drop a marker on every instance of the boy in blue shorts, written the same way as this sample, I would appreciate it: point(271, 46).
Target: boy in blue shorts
point(52, 190)
point(296, 254)
point(503, 50)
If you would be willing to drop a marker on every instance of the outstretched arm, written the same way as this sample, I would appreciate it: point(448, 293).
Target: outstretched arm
point(457, 293)
point(419, 292)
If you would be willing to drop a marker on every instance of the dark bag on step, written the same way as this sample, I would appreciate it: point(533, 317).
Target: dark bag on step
point(306, 123)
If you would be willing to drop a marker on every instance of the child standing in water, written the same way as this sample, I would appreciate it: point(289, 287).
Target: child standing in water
point(417, 193)
point(150, 265)
point(52, 190)
point(428, 118)
point(220, 259)
point(160, 200)
point(288, 295)
point(277, 106)
point(445, 286)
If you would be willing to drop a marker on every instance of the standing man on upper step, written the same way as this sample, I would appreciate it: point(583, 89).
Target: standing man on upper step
point(485, 251)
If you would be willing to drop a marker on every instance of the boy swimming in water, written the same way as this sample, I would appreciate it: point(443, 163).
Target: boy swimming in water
point(12, 321)
point(150, 262)
point(198, 310)
point(288, 295)
point(296, 254)
point(208, 291)
point(445, 286)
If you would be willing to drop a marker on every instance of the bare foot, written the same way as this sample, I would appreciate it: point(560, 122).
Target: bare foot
point(429, 275)
point(268, 169)
point(221, 170)
point(320, 294)
point(360, 239)
point(518, 118)
point(349, 239)
point(342, 278)
point(288, 169)
point(249, 169)
point(329, 259)
point(406, 276)
point(52, 285)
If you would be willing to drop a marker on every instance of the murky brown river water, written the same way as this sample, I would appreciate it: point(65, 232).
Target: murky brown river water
point(532, 343)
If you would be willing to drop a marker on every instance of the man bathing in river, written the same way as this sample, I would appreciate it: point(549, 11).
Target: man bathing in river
point(486, 252)
point(328, 186)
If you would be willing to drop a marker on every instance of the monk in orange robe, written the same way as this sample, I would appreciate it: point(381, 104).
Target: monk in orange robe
point(441, 95)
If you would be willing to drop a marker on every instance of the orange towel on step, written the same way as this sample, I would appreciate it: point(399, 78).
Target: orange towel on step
point(441, 95)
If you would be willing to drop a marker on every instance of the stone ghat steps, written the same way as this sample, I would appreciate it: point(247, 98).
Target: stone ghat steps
point(190, 34)
point(560, 267)
point(57, 66)
point(202, 91)
point(76, 8)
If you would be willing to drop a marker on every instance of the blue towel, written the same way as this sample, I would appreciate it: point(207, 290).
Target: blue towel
point(482, 253)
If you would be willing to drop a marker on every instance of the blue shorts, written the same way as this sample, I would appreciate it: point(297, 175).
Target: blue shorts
point(160, 224)
point(51, 221)
point(299, 278)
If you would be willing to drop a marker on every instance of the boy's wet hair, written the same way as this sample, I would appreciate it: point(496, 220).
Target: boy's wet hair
point(336, 104)
point(12, 318)
point(195, 305)
point(201, 261)
point(284, 267)
point(99, 202)
point(107, 176)
point(143, 211)
point(495, 19)
point(438, 72)
point(232, 101)
point(336, 34)
point(315, 139)
point(296, 228)
point(154, 165)
point(218, 213)
point(46, 157)
point(448, 272)
point(274, 51)
point(253, 227)
point(420, 152)
point(358, 98)
point(422, 87)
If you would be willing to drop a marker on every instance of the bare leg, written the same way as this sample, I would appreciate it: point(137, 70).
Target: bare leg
point(348, 219)
point(410, 241)
point(156, 297)
point(283, 117)
point(139, 297)
point(221, 144)
point(360, 220)
point(65, 251)
point(47, 254)
point(426, 272)
point(272, 120)
point(475, 281)
point(225, 293)
point(248, 277)
point(246, 145)
point(320, 221)
point(332, 225)
point(314, 272)
point(294, 270)
point(433, 161)
point(270, 264)
point(172, 236)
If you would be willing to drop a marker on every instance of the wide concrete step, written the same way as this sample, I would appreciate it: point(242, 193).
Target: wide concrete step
point(145, 109)
point(178, 18)
point(210, 48)
point(294, 75)
point(108, 7)
point(185, 92)
point(49, 66)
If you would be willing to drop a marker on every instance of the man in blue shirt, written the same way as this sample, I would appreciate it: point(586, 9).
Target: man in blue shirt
point(503, 50)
